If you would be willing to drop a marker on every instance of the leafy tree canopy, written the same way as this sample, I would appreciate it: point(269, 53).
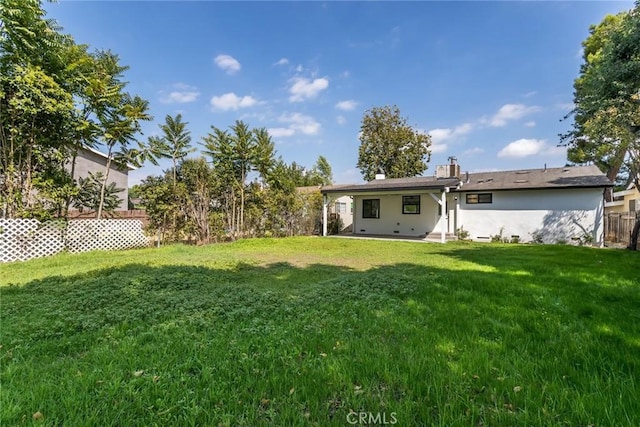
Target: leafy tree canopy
point(606, 128)
point(389, 144)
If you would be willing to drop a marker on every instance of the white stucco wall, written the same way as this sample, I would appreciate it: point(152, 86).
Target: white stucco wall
point(392, 221)
point(558, 215)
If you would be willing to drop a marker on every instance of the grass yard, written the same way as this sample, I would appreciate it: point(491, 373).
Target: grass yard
point(303, 331)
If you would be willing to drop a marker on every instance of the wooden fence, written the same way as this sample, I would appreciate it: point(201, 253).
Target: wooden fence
point(618, 226)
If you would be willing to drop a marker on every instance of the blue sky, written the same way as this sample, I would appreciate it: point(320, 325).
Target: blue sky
point(489, 81)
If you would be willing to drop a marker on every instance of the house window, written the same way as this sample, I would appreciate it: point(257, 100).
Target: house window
point(410, 204)
point(371, 208)
point(341, 207)
point(473, 199)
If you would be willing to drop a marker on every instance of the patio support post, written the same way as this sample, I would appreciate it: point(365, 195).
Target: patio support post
point(443, 219)
point(325, 203)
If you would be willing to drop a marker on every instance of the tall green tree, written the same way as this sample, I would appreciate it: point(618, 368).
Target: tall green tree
point(389, 144)
point(264, 158)
point(36, 104)
point(158, 195)
point(219, 147)
point(174, 143)
point(117, 116)
point(234, 155)
point(196, 177)
point(321, 173)
point(55, 97)
point(606, 128)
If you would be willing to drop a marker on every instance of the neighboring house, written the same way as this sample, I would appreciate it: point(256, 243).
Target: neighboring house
point(90, 160)
point(341, 207)
point(551, 205)
point(624, 201)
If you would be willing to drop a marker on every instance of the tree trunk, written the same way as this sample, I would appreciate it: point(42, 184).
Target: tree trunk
point(104, 185)
point(67, 202)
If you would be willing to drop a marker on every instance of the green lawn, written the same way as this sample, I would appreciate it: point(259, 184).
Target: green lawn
point(302, 331)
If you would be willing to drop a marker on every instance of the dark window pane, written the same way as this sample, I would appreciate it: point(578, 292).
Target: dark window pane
point(371, 208)
point(410, 204)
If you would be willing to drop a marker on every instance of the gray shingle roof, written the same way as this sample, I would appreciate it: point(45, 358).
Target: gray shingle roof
point(567, 177)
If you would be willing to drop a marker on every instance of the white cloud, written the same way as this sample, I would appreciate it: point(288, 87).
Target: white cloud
point(439, 135)
point(530, 124)
point(531, 147)
point(301, 123)
point(523, 148)
point(438, 148)
point(282, 61)
point(296, 123)
point(472, 151)
point(303, 88)
point(299, 68)
point(341, 120)
point(231, 101)
point(346, 105)
point(444, 134)
point(280, 132)
point(227, 63)
point(530, 94)
point(181, 94)
point(509, 112)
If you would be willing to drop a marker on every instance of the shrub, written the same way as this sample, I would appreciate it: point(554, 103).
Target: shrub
point(462, 234)
point(498, 237)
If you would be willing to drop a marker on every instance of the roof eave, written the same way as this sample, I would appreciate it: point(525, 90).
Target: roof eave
point(554, 187)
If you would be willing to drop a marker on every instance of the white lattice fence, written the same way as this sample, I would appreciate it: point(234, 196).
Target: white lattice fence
point(23, 239)
point(105, 234)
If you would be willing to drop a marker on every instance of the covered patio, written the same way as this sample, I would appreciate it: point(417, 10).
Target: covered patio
point(420, 209)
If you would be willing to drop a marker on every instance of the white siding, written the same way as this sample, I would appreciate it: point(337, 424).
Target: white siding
point(392, 221)
point(557, 215)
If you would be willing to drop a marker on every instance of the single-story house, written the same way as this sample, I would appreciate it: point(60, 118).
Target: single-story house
point(548, 205)
point(91, 160)
point(624, 201)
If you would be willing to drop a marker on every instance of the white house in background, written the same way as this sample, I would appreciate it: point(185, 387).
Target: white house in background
point(340, 207)
point(90, 160)
point(624, 201)
point(552, 204)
